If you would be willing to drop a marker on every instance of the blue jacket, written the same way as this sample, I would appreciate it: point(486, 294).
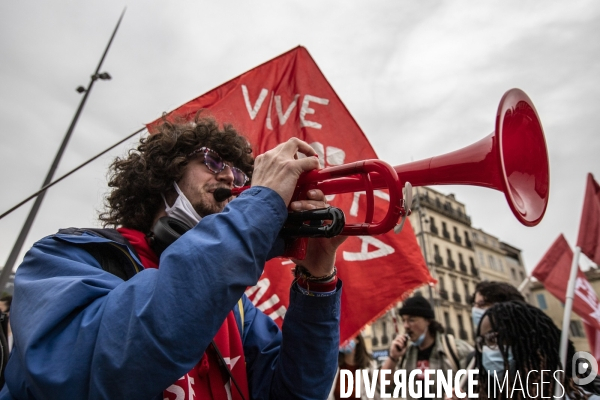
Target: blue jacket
point(83, 333)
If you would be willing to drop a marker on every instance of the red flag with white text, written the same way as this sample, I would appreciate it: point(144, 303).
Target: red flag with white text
point(289, 96)
point(588, 239)
point(553, 271)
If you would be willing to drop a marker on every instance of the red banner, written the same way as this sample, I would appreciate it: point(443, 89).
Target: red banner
point(553, 271)
point(589, 227)
point(289, 96)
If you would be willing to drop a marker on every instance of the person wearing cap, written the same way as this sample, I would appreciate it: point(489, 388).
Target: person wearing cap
point(424, 345)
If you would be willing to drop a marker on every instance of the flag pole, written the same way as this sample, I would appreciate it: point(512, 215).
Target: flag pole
point(524, 284)
point(12, 258)
point(564, 338)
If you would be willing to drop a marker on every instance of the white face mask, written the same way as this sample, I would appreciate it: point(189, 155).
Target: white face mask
point(476, 314)
point(419, 340)
point(182, 209)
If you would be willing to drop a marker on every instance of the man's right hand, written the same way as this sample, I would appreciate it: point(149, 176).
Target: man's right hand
point(399, 345)
point(279, 168)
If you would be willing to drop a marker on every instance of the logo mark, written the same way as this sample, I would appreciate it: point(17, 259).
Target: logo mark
point(583, 363)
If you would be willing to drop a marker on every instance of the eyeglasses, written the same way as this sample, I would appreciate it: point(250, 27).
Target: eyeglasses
point(215, 164)
point(490, 340)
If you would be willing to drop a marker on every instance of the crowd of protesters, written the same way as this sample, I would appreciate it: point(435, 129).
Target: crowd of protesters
point(512, 339)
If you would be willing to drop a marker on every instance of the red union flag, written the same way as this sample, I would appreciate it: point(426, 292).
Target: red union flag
point(588, 239)
point(289, 97)
point(553, 271)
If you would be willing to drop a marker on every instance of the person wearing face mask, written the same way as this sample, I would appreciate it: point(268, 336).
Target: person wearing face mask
point(354, 356)
point(139, 310)
point(488, 293)
point(424, 345)
point(516, 338)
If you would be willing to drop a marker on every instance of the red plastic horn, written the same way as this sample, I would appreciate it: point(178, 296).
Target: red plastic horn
point(513, 159)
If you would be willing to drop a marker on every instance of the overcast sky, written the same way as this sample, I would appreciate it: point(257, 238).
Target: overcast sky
point(421, 78)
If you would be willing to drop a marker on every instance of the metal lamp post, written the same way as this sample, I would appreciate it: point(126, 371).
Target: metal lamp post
point(10, 262)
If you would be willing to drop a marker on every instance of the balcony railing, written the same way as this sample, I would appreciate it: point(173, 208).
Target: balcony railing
point(434, 229)
point(447, 211)
point(463, 334)
point(451, 263)
point(446, 234)
point(468, 243)
point(456, 297)
point(463, 267)
point(457, 239)
point(438, 259)
point(443, 294)
point(474, 271)
point(450, 331)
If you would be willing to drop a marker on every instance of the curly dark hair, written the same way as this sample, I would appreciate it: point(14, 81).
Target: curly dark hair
point(496, 292)
point(138, 180)
point(534, 341)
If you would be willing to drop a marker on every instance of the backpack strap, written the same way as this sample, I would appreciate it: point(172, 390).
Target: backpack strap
point(113, 256)
point(4, 351)
point(238, 312)
point(403, 360)
point(450, 350)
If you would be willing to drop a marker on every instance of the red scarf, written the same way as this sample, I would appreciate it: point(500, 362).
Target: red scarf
point(206, 380)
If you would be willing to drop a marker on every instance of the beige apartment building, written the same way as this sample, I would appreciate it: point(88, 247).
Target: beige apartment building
point(555, 309)
point(458, 257)
point(499, 261)
point(444, 232)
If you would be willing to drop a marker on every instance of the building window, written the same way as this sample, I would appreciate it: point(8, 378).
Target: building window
point(447, 320)
point(542, 301)
point(436, 256)
point(457, 237)
point(451, 263)
point(522, 275)
point(467, 240)
point(576, 329)
point(514, 274)
point(491, 262)
point(481, 258)
point(432, 226)
point(441, 281)
point(445, 232)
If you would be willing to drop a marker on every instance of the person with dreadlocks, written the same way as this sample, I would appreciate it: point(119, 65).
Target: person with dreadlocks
point(517, 347)
point(488, 293)
point(155, 309)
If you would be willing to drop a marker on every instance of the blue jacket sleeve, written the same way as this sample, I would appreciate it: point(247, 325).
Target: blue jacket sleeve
point(81, 332)
point(301, 361)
